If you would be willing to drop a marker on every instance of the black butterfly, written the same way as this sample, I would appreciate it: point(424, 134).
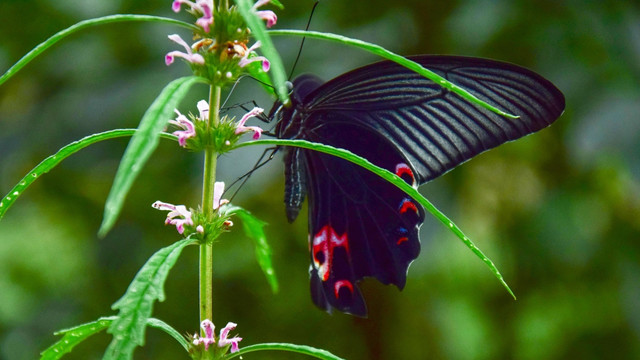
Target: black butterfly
point(360, 225)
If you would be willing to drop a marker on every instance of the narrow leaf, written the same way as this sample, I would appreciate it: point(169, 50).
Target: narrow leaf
point(411, 65)
point(395, 180)
point(53, 160)
point(301, 349)
point(159, 324)
point(74, 336)
point(136, 304)
point(142, 145)
point(77, 334)
point(259, 31)
point(278, 4)
point(254, 229)
point(82, 25)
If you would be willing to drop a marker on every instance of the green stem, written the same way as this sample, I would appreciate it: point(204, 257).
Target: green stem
point(209, 179)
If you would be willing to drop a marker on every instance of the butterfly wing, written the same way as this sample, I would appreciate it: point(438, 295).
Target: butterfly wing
point(361, 226)
point(434, 128)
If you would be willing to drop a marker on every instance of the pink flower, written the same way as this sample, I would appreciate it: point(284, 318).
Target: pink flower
point(206, 20)
point(267, 15)
point(190, 56)
point(204, 7)
point(189, 129)
point(245, 60)
point(178, 215)
point(224, 341)
point(208, 327)
point(218, 190)
point(203, 108)
point(241, 128)
point(209, 338)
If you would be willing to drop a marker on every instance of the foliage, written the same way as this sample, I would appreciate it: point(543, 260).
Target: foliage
point(561, 222)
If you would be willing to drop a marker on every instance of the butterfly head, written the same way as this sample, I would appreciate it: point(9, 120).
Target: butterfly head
point(287, 116)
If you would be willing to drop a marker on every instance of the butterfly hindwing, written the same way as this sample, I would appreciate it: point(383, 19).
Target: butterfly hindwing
point(359, 224)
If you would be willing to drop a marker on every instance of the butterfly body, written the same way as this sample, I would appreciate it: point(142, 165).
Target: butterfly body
point(360, 225)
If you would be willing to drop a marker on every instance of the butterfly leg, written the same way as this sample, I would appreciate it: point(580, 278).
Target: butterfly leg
point(260, 163)
point(262, 117)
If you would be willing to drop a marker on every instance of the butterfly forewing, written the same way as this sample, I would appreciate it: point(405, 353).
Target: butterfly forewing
point(359, 225)
point(437, 129)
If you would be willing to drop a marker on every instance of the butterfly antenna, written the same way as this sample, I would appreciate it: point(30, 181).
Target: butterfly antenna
point(232, 89)
point(256, 166)
point(303, 38)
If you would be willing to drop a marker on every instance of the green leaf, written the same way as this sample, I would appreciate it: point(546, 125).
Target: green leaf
point(159, 324)
point(53, 160)
point(395, 180)
point(278, 4)
point(411, 65)
point(254, 229)
point(142, 145)
point(301, 349)
point(255, 70)
point(136, 304)
point(259, 31)
point(74, 336)
point(77, 334)
point(82, 25)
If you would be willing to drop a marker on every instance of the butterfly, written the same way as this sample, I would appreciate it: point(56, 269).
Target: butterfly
point(360, 225)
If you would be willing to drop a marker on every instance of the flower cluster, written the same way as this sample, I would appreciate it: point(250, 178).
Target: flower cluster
point(178, 215)
point(197, 127)
point(188, 128)
point(183, 219)
point(203, 8)
point(196, 53)
point(209, 338)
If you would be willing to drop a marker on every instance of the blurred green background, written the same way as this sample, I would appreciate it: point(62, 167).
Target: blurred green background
point(558, 212)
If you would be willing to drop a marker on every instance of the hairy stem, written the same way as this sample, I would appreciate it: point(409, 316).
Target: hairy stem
point(209, 179)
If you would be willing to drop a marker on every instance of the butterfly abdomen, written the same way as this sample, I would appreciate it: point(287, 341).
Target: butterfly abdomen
point(295, 187)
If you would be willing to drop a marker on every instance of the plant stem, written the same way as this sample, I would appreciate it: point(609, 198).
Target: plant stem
point(209, 179)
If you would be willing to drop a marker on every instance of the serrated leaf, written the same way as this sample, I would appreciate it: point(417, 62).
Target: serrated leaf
point(259, 31)
point(52, 161)
point(142, 145)
point(136, 304)
point(77, 334)
point(398, 182)
point(254, 229)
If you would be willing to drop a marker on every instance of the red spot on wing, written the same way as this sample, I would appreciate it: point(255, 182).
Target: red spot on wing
point(406, 205)
point(401, 240)
point(340, 284)
point(403, 169)
point(324, 242)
